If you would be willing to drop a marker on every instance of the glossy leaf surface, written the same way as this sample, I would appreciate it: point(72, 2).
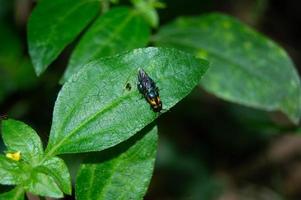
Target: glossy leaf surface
point(9, 171)
point(96, 110)
point(18, 136)
point(58, 170)
point(42, 184)
point(53, 25)
point(34, 173)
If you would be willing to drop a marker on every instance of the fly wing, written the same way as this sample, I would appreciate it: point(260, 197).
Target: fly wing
point(141, 75)
point(144, 80)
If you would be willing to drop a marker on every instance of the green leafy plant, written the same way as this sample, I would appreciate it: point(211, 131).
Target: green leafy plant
point(255, 64)
point(99, 110)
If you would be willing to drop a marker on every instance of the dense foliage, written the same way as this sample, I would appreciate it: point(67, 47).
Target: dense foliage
point(99, 110)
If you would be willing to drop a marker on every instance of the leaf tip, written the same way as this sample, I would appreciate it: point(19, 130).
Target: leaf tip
point(38, 68)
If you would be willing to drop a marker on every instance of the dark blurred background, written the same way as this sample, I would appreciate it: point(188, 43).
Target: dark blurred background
point(209, 149)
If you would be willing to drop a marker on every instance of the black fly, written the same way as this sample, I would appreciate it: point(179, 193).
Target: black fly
point(150, 91)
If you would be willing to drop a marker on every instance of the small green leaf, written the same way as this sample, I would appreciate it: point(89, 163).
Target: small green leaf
point(9, 171)
point(246, 67)
point(14, 194)
point(95, 111)
point(34, 174)
point(18, 136)
point(53, 25)
point(44, 185)
point(118, 30)
point(123, 176)
point(57, 168)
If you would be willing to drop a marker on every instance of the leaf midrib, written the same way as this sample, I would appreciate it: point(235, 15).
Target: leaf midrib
point(114, 34)
point(18, 193)
point(116, 164)
point(60, 19)
point(104, 109)
point(242, 67)
point(90, 185)
point(71, 112)
point(104, 23)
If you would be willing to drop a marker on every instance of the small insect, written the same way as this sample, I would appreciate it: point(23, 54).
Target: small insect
point(150, 91)
point(128, 86)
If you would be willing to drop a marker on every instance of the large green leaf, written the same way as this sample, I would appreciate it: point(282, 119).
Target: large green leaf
point(14, 194)
point(95, 110)
point(124, 175)
point(53, 25)
point(118, 30)
point(246, 67)
point(18, 136)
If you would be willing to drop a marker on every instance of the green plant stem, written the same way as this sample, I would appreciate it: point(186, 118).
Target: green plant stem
point(105, 6)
